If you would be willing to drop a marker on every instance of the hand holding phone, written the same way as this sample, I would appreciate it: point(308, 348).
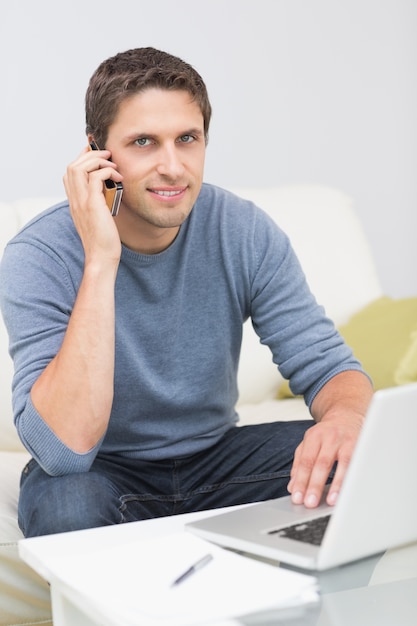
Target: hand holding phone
point(112, 191)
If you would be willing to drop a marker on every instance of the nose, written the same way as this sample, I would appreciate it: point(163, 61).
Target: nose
point(170, 164)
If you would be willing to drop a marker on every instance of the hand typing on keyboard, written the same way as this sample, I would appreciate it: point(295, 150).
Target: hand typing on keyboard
point(339, 410)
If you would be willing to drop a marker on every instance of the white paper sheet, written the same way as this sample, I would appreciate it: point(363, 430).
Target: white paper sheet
point(132, 584)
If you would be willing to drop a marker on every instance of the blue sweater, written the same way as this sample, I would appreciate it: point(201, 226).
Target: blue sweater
point(179, 317)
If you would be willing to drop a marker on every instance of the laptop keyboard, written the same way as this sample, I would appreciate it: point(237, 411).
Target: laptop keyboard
point(311, 531)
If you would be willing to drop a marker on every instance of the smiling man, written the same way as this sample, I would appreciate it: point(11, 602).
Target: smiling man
point(158, 141)
point(125, 332)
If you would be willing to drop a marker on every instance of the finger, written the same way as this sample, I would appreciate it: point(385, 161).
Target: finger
point(313, 461)
point(89, 161)
point(84, 178)
point(319, 476)
point(309, 482)
point(340, 473)
point(294, 467)
point(304, 461)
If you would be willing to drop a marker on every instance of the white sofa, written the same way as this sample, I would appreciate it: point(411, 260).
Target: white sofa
point(334, 252)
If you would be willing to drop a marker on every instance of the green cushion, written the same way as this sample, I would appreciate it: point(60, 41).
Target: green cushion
point(383, 336)
point(406, 371)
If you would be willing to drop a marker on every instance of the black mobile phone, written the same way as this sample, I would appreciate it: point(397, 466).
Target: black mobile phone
point(112, 191)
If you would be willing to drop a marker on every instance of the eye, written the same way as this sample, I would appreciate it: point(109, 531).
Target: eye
point(143, 141)
point(186, 139)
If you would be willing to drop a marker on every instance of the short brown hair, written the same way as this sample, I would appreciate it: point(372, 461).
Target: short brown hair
point(132, 72)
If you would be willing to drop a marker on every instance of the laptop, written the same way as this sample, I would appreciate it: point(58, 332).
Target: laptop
point(376, 508)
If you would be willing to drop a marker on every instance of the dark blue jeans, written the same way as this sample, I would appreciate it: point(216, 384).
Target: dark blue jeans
point(249, 463)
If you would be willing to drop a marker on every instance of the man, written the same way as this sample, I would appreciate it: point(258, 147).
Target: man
point(125, 332)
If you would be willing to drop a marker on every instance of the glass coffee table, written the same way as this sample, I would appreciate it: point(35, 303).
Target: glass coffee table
point(378, 591)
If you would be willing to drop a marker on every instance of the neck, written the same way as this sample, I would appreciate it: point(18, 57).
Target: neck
point(143, 243)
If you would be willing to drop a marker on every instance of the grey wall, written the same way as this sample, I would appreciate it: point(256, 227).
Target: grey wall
point(321, 91)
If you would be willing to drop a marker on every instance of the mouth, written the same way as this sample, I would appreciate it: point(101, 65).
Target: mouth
point(168, 193)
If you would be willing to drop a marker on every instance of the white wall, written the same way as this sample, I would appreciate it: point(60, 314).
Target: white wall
point(318, 91)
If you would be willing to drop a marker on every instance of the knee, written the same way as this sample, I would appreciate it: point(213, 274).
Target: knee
point(66, 503)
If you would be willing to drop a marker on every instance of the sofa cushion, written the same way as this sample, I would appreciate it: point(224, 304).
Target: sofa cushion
point(380, 336)
point(24, 596)
point(8, 435)
point(406, 371)
point(273, 410)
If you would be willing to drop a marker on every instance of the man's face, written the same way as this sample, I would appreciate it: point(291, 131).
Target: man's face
point(157, 142)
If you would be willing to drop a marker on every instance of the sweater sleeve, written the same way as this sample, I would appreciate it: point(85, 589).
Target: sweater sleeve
point(37, 295)
point(305, 344)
